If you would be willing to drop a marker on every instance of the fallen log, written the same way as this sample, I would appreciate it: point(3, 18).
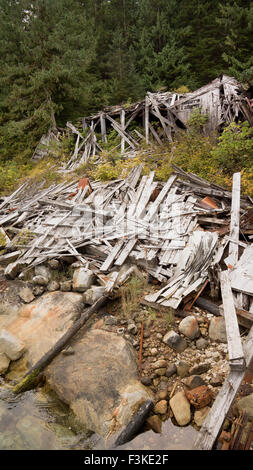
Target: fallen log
point(244, 317)
point(135, 425)
point(29, 379)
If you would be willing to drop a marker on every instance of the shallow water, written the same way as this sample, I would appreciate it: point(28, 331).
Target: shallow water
point(171, 438)
point(36, 420)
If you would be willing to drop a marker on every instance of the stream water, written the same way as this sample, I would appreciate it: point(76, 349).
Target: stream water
point(38, 420)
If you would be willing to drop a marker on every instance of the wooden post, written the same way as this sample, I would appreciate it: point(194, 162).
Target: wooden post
point(103, 127)
point(122, 122)
point(146, 120)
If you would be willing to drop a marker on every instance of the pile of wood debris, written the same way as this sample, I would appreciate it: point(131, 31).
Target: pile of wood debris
point(177, 231)
point(182, 233)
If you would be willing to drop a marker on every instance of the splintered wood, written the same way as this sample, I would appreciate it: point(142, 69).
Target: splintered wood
point(162, 116)
point(164, 228)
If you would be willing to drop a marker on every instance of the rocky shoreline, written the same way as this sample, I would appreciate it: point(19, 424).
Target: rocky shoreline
point(184, 361)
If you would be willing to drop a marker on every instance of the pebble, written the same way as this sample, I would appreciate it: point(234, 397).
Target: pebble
point(155, 423)
point(154, 352)
point(132, 328)
point(201, 343)
point(183, 369)
point(193, 381)
point(171, 370)
point(10, 345)
point(4, 363)
point(26, 295)
point(199, 369)
point(160, 371)
point(200, 415)
point(159, 363)
point(40, 281)
point(53, 263)
point(53, 286)
point(175, 341)
point(38, 290)
point(217, 330)
point(146, 381)
point(189, 327)
point(181, 408)
point(66, 286)
point(161, 407)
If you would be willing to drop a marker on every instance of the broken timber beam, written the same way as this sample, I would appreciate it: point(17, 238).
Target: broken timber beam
point(235, 351)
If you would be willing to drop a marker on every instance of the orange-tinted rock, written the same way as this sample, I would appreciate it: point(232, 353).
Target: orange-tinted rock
point(199, 397)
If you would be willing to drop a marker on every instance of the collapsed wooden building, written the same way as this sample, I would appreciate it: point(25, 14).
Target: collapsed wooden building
point(157, 118)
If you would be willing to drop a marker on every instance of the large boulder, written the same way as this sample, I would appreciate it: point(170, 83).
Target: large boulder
point(41, 323)
point(100, 381)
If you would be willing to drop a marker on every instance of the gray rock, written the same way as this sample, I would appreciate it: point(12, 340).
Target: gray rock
point(26, 295)
point(161, 371)
point(66, 286)
point(171, 370)
point(200, 415)
point(38, 290)
point(175, 341)
point(82, 279)
point(68, 351)
point(201, 343)
point(199, 369)
point(40, 280)
point(217, 330)
point(193, 381)
point(53, 263)
point(216, 380)
point(183, 369)
point(181, 408)
point(4, 363)
point(189, 327)
point(52, 286)
point(155, 423)
point(93, 294)
point(110, 320)
point(153, 351)
point(245, 404)
point(43, 271)
point(10, 345)
point(132, 328)
point(161, 407)
point(159, 363)
point(146, 381)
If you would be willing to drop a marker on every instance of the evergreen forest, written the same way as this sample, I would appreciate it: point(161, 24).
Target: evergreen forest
point(63, 59)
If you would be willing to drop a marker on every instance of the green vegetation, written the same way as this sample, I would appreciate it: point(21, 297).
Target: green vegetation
point(65, 59)
point(131, 292)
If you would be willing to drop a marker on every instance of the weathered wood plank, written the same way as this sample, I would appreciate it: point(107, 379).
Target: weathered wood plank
point(235, 351)
point(235, 217)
